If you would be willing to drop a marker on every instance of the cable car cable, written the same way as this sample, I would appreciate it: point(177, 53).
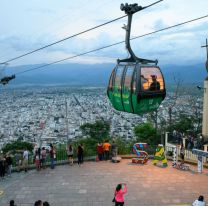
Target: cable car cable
point(170, 27)
point(69, 37)
point(44, 30)
point(104, 47)
point(74, 35)
point(145, 7)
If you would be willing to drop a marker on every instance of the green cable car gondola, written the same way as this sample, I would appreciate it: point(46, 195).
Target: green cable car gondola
point(136, 85)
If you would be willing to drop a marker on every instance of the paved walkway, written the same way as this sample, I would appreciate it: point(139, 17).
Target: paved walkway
point(93, 184)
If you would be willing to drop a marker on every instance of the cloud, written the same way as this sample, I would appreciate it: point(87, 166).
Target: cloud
point(35, 24)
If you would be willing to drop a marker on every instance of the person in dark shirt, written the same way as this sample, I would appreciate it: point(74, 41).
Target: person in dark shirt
point(182, 153)
point(100, 151)
point(52, 153)
point(11, 203)
point(18, 159)
point(38, 203)
point(9, 165)
point(80, 154)
point(155, 85)
point(2, 166)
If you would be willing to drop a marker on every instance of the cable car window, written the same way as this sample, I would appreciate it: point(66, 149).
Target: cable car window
point(134, 82)
point(151, 79)
point(128, 77)
point(118, 77)
point(110, 86)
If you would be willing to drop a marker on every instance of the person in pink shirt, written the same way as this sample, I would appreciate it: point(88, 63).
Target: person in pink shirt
point(121, 189)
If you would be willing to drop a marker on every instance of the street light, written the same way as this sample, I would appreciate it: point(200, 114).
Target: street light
point(200, 88)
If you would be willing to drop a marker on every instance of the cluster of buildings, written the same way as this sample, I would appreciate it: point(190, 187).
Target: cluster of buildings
point(55, 114)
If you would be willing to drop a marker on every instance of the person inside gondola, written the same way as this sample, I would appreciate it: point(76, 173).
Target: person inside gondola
point(155, 85)
point(143, 82)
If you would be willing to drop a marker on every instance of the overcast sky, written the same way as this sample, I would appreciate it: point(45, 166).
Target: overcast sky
point(29, 24)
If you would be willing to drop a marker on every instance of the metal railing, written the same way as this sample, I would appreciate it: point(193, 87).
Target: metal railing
point(188, 154)
point(61, 156)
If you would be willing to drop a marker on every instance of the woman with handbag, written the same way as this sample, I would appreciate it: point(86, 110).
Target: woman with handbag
point(70, 153)
point(121, 189)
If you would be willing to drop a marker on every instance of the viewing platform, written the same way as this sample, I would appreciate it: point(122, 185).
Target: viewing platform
point(93, 184)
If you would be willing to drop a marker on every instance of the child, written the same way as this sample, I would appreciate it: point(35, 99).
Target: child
point(121, 189)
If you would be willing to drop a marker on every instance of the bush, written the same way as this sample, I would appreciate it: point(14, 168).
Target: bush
point(147, 133)
point(17, 145)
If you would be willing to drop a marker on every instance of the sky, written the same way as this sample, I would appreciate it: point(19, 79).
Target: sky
point(27, 25)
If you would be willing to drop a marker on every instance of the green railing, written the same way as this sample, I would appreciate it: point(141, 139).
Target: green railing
point(61, 158)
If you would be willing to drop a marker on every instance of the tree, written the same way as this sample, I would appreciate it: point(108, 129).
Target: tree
point(184, 124)
point(95, 132)
point(124, 146)
point(147, 133)
point(157, 118)
point(98, 130)
point(17, 145)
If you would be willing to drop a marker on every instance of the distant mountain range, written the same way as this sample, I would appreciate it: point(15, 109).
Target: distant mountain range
point(96, 75)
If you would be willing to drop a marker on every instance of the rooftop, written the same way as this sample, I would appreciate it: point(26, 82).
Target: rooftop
point(93, 184)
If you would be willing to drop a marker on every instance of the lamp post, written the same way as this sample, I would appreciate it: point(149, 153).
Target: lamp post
point(67, 123)
point(205, 102)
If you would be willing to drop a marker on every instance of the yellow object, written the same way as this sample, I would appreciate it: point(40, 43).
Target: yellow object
point(160, 156)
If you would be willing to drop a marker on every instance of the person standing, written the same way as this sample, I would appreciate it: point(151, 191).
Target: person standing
point(70, 153)
point(2, 166)
point(80, 154)
point(9, 164)
point(100, 151)
point(43, 160)
point(37, 159)
point(121, 189)
point(52, 156)
point(106, 149)
point(18, 159)
point(182, 153)
point(25, 160)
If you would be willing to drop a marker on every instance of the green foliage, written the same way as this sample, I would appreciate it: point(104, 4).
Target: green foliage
point(98, 130)
point(18, 145)
point(89, 145)
point(182, 125)
point(147, 133)
point(124, 147)
point(95, 132)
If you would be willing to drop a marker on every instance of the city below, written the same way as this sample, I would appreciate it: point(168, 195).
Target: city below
point(55, 114)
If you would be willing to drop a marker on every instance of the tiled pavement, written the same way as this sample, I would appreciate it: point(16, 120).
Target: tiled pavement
point(93, 184)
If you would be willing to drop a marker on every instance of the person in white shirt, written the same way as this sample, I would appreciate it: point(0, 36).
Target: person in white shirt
point(199, 202)
point(25, 160)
